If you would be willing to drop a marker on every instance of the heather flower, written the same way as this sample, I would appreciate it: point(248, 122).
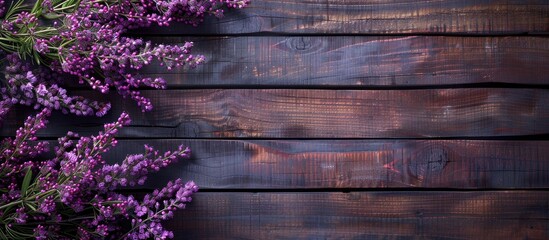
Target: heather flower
point(5, 106)
point(41, 46)
point(40, 233)
point(2, 7)
point(47, 205)
point(39, 88)
point(83, 40)
point(20, 215)
point(73, 194)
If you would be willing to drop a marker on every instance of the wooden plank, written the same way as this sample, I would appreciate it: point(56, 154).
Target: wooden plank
point(300, 113)
point(361, 61)
point(366, 215)
point(351, 164)
point(377, 17)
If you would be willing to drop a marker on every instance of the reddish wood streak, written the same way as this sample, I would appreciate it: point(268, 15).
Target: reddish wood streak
point(351, 59)
point(366, 215)
point(288, 113)
point(301, 164)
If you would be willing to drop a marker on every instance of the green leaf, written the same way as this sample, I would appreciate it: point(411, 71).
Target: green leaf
point(26, 181)
point(3, 235)
point(31, 206)
point(9, 232)
point(36, 57)
point(52, 15)
point(37, 8)
point(14, 8)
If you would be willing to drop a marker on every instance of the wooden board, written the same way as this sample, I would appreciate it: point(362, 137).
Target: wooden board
point(321, 120)
point(351, 164)
point(366, 215)
point(377, 17)
point(294, 113)
point(364, 61)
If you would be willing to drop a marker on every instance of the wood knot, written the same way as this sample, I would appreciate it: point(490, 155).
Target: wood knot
point(302, 45)
point(353, 196)
point(436, 158)
point(430, 160)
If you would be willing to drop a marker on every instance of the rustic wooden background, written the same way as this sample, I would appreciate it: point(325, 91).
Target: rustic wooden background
point(355, 119)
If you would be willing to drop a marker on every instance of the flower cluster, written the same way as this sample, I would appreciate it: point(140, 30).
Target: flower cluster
point(40, 88)
point(73, 194)
point(52, 45)
point(85, 39)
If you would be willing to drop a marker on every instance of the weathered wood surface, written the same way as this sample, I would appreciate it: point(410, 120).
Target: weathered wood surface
point(377, 17)
point(361, 61)
point(359, 44)
point(299, 113)
point(352, 164)
point(366, 215)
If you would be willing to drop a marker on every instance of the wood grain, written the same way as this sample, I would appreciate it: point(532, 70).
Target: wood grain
point(366, 215)
point(342, 143)
point(377, 17)
point(350, 164)
point(295, 113)
point(360, 61)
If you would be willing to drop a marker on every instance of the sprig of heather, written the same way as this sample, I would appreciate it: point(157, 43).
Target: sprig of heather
point(73, 195)
point(40, 88)
point(15, 152)
point(85, 39)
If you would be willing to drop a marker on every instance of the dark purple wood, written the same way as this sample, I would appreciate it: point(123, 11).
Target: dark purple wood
point(360, 61)
point(376, 17)
point(293, 113)
point(365, 215)
point(315, 164)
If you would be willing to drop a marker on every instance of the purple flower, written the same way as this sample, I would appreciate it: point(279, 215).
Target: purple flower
point(102, 230)
point(74, 193)
point(40, 232)
point(41, 46)
point(76, 188)
point(47, 206)
point(20, 215)
point(141, 211)
point(89, 47)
